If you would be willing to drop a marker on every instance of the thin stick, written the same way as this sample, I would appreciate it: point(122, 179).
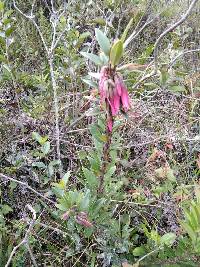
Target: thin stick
point(25, 240)
point(148, 254)
point(31, 254)
point(171, 28)
point(13, 252)
point(105, 160)
point(182, 54)
point(5, 177)
point(50, 56)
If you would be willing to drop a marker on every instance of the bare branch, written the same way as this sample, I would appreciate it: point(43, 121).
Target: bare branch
point(23, 14)
point(13, 252)
point(148, 7)
point(56, 41)
point(31, 254)
point(171, 28)
point(5, 177)
point(52, 7)
point(32, 18)
point(41, 36)
point(32, 7)
point(144, 79)
point(56, 109)
point(50, 56)
point(25, 240)
point(183, 54)
point(135, 34)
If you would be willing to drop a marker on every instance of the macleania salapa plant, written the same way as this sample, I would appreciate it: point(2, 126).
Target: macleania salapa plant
point(113, 92)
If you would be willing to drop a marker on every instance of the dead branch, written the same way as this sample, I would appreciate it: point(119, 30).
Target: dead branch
point(183, 54)
point(5, 177)
point(171, 28)
point(25, 240)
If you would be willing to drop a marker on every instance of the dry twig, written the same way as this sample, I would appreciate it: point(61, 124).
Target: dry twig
point(5, 177)
point(25, 240)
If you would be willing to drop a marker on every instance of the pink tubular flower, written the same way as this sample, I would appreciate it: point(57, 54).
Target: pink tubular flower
point(82, 219)
point(113, 93)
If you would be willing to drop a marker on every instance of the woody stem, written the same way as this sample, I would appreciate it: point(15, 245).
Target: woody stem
point(105, 160)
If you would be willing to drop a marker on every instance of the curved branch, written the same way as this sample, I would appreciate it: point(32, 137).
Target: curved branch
point(181, 55)
point(5, 177)
point(175, 25)
point(25, 240)
point(32, 18)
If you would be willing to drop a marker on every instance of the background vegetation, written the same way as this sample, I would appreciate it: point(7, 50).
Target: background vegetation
point(53, 134)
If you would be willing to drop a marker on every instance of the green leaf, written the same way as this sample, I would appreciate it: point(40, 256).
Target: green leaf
point(123, 38)
point(50, 170)
point(65, 178)
point(61, 207)
point(164, 77)
point(84, 204)
point(6, 209)
point(189, 230)
point(95, 75)
point(194, 218)
point(170, 175)
point(7, 21)
point(196, 207)
point(168, 239)
point(99, 21)
point(90, 177)
point(95, 164)
point(3, 59)
point(9, 31)
point(177, 88)
point(97, 134)
point(45, 147)
point(139, 251)
point(104, 58)
point(92, 57)
point(84, 35)
point(82, 154)
point(116, 53)
point(188, 216)
point(39, 164)
point(110, 172)
point(7, 67)
point(90, 82)
point(55, 162)
point(1, 6)
point(103, 41)
point(37, 137)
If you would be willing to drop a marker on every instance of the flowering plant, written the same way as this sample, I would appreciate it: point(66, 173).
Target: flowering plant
point(112, 90)
point(113, 93)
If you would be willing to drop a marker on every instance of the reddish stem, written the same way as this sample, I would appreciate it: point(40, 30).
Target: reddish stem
point(105, 159)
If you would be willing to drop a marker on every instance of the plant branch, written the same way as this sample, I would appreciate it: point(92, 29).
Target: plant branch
point(56, 110)
point(25, 240)
point(105, 160)
point(171, 28)
point(182, 54)
point(32, 19)
point(5, 177)
point(148, 254)
point(50, 56)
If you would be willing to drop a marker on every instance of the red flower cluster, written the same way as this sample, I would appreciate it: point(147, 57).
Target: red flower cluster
point(114, 93)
